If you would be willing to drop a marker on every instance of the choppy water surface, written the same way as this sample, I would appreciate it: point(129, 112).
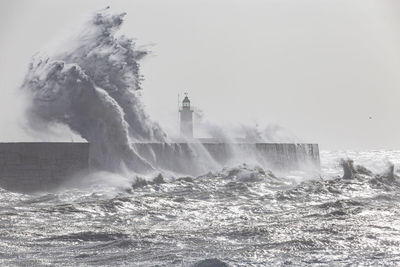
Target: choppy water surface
point(238, 216)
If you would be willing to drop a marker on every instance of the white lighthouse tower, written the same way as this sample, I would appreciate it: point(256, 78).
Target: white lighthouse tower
point(186, 115)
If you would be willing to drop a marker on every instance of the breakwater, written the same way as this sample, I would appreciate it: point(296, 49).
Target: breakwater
point(189, 157)
point(29, 167)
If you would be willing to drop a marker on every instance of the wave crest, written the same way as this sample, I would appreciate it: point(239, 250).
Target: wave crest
point(93, 86)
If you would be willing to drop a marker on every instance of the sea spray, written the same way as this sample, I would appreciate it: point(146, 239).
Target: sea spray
point(93, 86)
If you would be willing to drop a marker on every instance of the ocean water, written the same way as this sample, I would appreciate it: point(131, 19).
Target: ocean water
point(238, 216)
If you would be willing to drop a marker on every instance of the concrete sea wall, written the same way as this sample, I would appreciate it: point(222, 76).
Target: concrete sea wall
point(190, 157)
point(29, 167)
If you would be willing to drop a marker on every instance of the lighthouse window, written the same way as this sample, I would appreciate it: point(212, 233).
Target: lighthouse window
point(186, 104)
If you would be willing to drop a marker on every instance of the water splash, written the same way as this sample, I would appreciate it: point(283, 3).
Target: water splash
point(93, 86)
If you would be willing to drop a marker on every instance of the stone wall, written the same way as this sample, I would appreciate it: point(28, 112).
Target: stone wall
point(29, 167)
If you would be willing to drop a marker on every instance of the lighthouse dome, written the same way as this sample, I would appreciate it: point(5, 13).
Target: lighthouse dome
point(186, 102)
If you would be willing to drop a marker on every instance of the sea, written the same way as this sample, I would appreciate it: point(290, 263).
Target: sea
point(242, 215)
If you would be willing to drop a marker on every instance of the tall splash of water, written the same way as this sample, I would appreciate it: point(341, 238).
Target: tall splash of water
point(92, 84)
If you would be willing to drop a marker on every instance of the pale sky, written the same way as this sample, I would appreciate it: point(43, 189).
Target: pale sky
point(319, 68)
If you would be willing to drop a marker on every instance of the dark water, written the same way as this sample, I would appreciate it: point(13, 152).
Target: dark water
point(238, 216)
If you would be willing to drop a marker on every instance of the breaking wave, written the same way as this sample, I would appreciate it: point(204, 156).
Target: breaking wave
point(92, 84)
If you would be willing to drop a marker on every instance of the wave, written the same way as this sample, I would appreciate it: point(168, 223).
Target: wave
point(89, 236)
point(92, 85)
point(355, 178)
point(210, 263)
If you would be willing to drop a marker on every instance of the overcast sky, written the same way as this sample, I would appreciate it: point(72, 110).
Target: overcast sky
point(320, 68)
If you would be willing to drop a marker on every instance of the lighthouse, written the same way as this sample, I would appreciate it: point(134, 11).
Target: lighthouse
point(186, 115)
